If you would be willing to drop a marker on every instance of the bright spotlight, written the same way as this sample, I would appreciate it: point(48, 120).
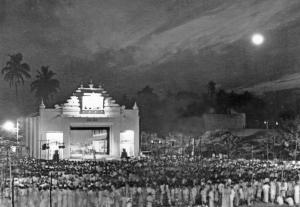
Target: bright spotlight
point(257, 39)
point(9, 126)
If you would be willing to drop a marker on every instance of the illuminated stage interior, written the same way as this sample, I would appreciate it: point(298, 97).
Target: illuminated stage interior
point(89, 142)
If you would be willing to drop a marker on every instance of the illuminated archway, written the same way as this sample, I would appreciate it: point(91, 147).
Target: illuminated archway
point(54, 140)
point(127, 142)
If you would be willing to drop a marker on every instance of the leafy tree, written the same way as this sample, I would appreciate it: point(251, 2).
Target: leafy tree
point(262, 144)
point(195, 108)
point(146, 139)
point(222, 102)
point(45, 85)
point(287, 115)
point(290, 132)
point(126, 101)
point(16, 71)
point(189, 104)
point(221, 141)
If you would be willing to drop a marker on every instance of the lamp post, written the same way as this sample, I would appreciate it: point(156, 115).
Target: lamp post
point(17, 132)
point(275, 125)
point(11, 178)
point(50, 190)
point(252, 152)
point(267, 127)
point(10, 127)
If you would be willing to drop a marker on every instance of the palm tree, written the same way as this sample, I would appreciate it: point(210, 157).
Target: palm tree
point(45, 85)
point(211, 89)
point(15, 71)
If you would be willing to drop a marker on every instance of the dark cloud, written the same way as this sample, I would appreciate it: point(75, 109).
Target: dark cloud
point(129, 43)
point(158, 29)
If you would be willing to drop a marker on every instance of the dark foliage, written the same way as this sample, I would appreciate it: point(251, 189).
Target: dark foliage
point(45, 86)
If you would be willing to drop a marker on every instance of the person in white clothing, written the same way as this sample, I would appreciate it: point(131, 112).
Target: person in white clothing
point(279, 199)
point(297, 193)
point(272, 191)
point(289, 201)
point(266, 188)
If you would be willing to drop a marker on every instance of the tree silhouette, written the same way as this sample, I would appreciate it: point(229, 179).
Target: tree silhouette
point(149, 106)
point(15, 71)
point(289, 129)
point(211, 89)
point(221, 141)
point(45, 85)
point(126, 101)
point(222, 102)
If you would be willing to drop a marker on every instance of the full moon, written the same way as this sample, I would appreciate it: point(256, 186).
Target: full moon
point(257, 39)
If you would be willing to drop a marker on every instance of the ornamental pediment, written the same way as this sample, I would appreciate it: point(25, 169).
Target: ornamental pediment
point(89, 100)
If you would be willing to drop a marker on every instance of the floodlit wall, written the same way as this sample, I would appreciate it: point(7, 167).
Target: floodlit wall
point(31, 135)
point(53, 121)
point(88, 108)
point(130, 121)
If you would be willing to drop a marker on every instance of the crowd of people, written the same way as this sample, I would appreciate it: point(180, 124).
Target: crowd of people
point(146, 182)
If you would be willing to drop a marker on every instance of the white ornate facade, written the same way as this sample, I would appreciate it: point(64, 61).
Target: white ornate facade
point(90, 125)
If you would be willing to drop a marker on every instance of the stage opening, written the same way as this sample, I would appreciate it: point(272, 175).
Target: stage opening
point(89, 142)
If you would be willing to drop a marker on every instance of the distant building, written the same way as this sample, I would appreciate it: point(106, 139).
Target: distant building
point(90, 125)
point(196, 126)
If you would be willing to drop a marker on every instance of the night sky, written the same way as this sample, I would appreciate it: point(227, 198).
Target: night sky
point(167, 44)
